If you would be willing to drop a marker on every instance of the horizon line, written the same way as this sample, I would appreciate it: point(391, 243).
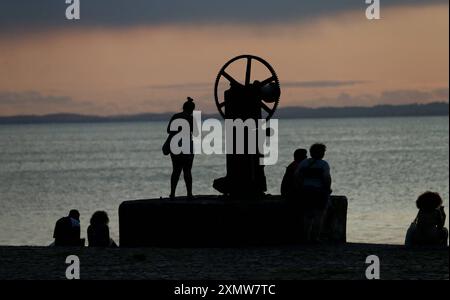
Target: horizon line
point(213, 113)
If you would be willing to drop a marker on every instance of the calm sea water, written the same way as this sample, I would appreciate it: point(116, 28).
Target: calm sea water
point(380, 164)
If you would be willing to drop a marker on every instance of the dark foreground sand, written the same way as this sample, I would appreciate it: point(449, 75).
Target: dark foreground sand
point(267, 263)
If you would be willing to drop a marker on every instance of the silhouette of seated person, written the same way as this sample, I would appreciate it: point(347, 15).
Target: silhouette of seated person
point(428, 227)
point(98, 231)
point(67, 230)
point(183, 161)
point(313, 181)
point(288, 183)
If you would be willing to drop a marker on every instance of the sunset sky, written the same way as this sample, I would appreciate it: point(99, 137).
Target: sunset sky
point(140, 56)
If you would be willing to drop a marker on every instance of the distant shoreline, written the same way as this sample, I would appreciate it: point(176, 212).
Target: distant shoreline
point(407, 110)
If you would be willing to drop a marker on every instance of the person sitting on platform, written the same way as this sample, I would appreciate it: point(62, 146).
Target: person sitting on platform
point(313, 181)
point(67, 230)
point(98, 231)
point(428, 227)
point(288, 182)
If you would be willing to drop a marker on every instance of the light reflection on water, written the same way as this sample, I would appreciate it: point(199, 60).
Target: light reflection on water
point(380, 164)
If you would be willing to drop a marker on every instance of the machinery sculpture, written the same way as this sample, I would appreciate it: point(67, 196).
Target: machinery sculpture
point(229, 219)
point(245, 100)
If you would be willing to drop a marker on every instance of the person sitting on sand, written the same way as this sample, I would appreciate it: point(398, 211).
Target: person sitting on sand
point(288, 182)
point(98, 231)
point(313, 182)
point(428, 227)
point(67, 230)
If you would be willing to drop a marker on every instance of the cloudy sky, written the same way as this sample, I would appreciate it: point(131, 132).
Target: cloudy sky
point(146, 56)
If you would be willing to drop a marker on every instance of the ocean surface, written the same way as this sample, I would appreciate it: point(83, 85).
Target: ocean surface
point(380, 164)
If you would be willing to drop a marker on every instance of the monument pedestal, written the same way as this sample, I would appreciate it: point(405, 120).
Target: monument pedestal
point(218, 221)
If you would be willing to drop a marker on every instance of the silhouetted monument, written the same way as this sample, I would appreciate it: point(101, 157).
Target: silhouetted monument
point(234, 218)
point(245, 175)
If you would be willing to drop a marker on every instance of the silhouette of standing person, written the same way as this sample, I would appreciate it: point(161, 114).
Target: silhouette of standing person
point(183, 161)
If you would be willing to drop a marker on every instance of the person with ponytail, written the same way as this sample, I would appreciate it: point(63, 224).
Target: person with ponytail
point(182, 161)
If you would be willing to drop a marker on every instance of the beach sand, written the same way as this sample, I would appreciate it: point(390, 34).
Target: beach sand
point(255, 263)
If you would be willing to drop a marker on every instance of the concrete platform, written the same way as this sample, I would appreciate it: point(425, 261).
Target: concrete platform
point(217, 221)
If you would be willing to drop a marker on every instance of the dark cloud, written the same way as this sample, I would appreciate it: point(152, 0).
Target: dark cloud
point(32, 98)
point(386, 97)
point(183, 86)
point(409, 96)
point(321, 83)
point(284, 84)
point(441, 93)
point(35, 102)
point(34, 15)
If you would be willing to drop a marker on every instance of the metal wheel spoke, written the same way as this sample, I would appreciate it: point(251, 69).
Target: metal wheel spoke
point(268, 80)
point(229, 78)
point(265, 107)
point(244, 85)
point(248, 71)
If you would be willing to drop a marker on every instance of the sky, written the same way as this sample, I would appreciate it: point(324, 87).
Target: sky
point(127, 57)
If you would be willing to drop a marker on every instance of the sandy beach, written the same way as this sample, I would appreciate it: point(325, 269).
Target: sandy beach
point(256, 263)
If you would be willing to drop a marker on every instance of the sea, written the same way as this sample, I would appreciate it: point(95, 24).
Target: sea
point(381, 164)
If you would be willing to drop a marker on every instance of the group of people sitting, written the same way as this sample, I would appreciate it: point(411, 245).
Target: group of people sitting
point(307, 182)
point(67, 231)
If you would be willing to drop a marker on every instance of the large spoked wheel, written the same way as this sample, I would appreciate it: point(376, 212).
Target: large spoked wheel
point(268, 104)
